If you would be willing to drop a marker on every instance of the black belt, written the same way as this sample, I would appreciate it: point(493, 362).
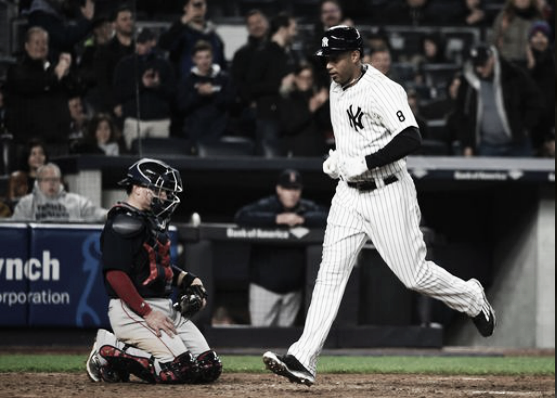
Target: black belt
point(371, 185)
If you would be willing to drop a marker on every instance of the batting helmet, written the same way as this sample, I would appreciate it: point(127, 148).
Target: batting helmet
point(157, 176)
point(339, 39)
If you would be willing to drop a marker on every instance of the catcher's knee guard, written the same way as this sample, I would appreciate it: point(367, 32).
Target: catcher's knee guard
point(122, 361)
point(209, 367)
point(183, 369)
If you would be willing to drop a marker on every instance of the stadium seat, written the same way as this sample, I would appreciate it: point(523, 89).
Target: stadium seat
point(163, 146)
point(226, 146)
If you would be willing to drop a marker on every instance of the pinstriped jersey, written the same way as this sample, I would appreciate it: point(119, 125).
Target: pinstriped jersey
point(366, 117)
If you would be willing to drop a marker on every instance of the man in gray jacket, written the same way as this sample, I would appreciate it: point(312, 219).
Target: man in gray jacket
point(50, 202)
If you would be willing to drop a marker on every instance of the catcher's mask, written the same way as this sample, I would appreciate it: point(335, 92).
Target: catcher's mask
point(163, 180)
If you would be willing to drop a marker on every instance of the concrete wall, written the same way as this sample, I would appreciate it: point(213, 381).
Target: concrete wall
point(523, 292)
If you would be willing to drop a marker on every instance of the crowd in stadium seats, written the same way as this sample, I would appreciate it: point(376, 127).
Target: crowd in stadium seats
point(159, 72)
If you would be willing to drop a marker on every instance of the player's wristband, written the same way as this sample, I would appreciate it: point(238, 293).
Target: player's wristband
point(188, 279)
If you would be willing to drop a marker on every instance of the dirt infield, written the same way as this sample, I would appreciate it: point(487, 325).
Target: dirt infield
point(56, 385)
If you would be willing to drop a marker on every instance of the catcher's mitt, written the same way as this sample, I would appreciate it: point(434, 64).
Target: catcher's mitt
point(191, 301)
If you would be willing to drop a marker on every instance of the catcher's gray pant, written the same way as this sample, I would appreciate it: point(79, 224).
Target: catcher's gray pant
point(390, 217)
point(132, 329)
point(268, 308)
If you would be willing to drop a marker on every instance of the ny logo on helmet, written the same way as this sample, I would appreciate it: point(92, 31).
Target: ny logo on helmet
point(325, 42)
point(355, 120)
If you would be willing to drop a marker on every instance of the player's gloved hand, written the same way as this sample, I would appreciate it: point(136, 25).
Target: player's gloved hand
point(330, 165)
point(192, 301)
point(353, 168)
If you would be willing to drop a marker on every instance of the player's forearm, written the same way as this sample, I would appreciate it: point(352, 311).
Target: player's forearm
point(124, 288)
point(403, 144)
point(181, 277)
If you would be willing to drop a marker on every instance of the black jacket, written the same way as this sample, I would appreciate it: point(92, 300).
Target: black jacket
point(37, 102)
point(280, 269)
point(543, 74)
point(263, 213)
point(521, 102)
point(270, 65)
point(180, 40)
point(107, 58)
point(205, 117)
point(241, 63)
point(154, 102)
point(304, 131)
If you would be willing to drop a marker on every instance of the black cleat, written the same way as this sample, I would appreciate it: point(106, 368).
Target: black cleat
point(485, 321)
point(288, 366)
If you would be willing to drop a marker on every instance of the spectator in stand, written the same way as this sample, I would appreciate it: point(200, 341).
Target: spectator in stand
point(50, 202)
point(204, 97)
point(380, 58)
point(444, 109)
point(474, 14)
point(511, 29)
point(64, 33)
point(17, 188)
point(258, 30)
point(37, 95)
point(330, 14)
point(153, 74)
point(541, 66)
point(103, 30)
point(497, 106)
point(102, 137)
point(78, 122)
point(414, 103)
point(433, 49)
point(440, 108)
point(378, 39)
point(182, 36)
point(278, 273)
point(110, 54)
point(305, 116)
point(33, 156)
point(271, 73)
point(411, 12)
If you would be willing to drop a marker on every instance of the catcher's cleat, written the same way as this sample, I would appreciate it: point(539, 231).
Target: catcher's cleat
point(485, 321)
point(288, 366)
point(93, 365)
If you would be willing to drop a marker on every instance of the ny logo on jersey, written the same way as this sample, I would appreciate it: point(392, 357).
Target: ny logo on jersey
point(355, 120)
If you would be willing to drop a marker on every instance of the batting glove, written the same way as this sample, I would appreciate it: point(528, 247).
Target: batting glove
point(353, 168)
point(330, 165)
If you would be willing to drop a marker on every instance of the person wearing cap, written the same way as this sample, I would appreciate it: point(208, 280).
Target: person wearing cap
point(278, 273)
point(541, 66)
point(497, 106)
point(156, 82)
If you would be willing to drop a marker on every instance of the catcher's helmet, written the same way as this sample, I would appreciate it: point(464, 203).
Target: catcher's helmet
point(339, 39)
point(157, 176)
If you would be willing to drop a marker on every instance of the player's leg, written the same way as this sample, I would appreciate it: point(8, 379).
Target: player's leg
point(394, 227)
point(289, 308)
point(264, 306)
point(137, 344)
point(208, 363)
point(344, 238)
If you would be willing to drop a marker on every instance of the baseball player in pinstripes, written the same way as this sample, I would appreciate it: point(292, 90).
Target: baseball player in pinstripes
point(375, 198)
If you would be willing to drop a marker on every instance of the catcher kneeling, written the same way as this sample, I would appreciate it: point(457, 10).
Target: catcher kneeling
point(153, 338)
